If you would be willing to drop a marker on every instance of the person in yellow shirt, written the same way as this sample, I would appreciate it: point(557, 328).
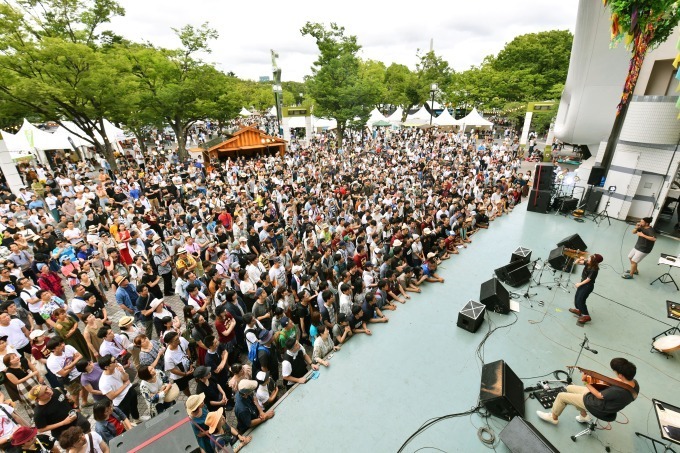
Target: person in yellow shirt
point(185, 262)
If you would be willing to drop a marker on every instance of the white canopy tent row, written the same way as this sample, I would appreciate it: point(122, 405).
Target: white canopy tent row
point(244, 112)
point(30, 139)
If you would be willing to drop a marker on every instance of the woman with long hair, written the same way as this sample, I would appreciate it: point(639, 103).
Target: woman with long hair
point(123, 244)
point(585, 286)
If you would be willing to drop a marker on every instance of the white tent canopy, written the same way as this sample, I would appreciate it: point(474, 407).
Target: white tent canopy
point(325, 123)
point(395, 118)
point(375, 117)
point(475, 119)
point(244, 112)
point(421, 114)
point(445, 119)
point(272, 111)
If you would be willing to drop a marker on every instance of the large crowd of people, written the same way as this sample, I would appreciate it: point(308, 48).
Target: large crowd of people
point(225, 281)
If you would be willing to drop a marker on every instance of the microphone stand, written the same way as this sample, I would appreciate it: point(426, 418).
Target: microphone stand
point(584, 345)
point(527, 295)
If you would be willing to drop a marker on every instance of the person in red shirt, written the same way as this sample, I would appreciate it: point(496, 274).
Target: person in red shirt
point(360, 257)
point(50, 281)
point(225, 325)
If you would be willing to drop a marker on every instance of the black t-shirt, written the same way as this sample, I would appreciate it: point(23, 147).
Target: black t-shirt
point(355, 323)
point(589, 273)
point(96, 310)
point(12, 281)
point(614, 400)
point(55, 411)
point(644, 245)
point(211, 391)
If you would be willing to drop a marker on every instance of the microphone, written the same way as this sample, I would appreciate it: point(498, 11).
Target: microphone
point(591, 350)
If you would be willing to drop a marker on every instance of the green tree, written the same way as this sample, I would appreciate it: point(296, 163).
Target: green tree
point(338, 87)
point(402, 87)
point(177, 87)
point(52, 64)
point(545, 53)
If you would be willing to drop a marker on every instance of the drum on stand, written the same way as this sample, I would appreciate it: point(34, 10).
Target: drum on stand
point(667, 344)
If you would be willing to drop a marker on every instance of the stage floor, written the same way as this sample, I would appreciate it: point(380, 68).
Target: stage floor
point(380, 389)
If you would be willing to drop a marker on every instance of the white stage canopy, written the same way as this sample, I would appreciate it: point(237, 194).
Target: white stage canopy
point(445, 119)
point(395, 118)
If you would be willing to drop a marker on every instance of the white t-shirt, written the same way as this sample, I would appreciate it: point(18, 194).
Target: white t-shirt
point(15, 336)
point(27, 294)
point(96, 440)
point(287, 365)
point(173, 358)
point(73, 235)
point(112, 382)
point(77, 305)
point(56, 363)
point(262, 395)
point(7, 425)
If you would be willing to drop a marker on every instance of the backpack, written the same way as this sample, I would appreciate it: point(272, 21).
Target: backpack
point(253, 357)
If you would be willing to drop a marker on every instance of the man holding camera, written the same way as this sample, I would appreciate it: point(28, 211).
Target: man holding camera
point(646, 238)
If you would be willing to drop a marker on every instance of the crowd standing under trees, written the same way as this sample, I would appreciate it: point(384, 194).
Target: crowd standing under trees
point(271, 264)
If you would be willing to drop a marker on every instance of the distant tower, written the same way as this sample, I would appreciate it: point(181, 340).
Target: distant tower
point(431, 44)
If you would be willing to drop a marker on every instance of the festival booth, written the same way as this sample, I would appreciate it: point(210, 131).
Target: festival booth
point(375, 117)
point(244, 112)
point(475, 120)
point(420, 118)
point(396, 116)
point(247, 141)
point(446, 121)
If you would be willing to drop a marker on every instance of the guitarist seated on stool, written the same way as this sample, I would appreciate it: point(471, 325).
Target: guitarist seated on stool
point(602, 399)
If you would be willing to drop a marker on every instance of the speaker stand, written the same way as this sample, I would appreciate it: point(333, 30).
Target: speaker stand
point(604, 214)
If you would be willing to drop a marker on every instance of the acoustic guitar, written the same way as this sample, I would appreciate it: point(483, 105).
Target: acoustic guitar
point(601, 382)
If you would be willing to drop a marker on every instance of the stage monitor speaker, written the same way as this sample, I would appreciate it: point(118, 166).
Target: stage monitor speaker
point(568, 204)
point(494, 296)
point(596, 176)
point(539, 201)
point(516, 273)
point(520, 436)
point(471, 316)
point(168, 432)
point(559, 261)
point(521, 254)
point(544, 176)
point(573, 242)
point(501, 392)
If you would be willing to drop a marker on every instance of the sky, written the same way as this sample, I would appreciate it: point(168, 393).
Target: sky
point(388, 31)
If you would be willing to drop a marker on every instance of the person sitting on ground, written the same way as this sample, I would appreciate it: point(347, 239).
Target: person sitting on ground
point(356, 321)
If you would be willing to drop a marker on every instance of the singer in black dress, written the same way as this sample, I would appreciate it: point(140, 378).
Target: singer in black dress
point(586, 286)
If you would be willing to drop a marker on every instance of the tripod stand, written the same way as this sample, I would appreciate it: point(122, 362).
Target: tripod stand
point(604, 214)
point(527, 294)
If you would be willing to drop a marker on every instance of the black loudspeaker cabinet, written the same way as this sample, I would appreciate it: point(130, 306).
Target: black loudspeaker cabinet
point(521, 254)
point(471, 316)
point(593, 197)
point(494, 296)
point(520, 436)
point(558, 261)
point(516, 273)
point(596, 175)
point(501, 391)
point(573, 242)
point(539, 201)
point(544, 176)
point(168, 432)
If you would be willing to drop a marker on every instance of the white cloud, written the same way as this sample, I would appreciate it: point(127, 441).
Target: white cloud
point(463, 32)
